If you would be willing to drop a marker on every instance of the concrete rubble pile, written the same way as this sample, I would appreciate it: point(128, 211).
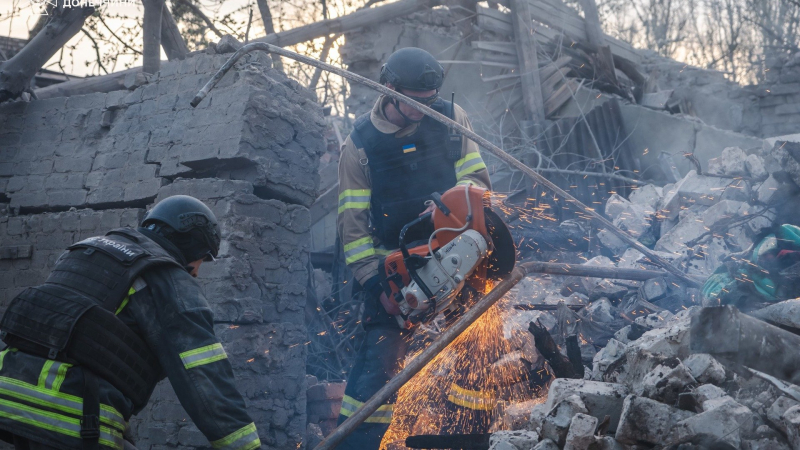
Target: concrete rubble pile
point(643, 386)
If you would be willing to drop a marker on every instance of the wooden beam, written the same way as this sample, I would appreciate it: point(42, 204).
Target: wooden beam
point(597, 41)
point(171, 40)
point(350, 22)
point(151, 30)
point(528, 62)
point(106, 83)
point(269, 27)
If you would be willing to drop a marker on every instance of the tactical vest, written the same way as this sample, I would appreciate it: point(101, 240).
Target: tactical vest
point(71, 317)
point(405, 171)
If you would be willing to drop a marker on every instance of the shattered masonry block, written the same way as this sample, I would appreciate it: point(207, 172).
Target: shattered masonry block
point(777, 409)
point(546, 444)
point(665, 382)
point(654, 289)
point(726, 423)
point(733, 162)
point(705, 369)
point(581, 432)
point(715, 167)
point(515, 416)
point(326, 391)
point(701, 190)
point(647, 421)
point(724, 210)
point(755, 167)
point(601, 399)
point(513, 440)
point(767, 189)
point(708, 392)
point(556, 424)
point(647, 196)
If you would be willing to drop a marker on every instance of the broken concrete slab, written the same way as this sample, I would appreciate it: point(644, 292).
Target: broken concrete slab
point(766, 190)
point(515, 416)
point(701, 190)
point(665, 382)
point(777, 409)
point(556, 424)
point(600, 399)
point(581, 432)
point(609, 290)
point(654, 289)
point(733, 161)
point(607, 443)
point(647, 421)
point(726, 423)
point(599, 261)
point(513, 440)
point(707, 392)
point(705, 369)
point(724, 210)
point(601, 310)
point(785, 313)
point(791, 419)
point(755, 167)
point(546, 444)
point(669, 341)
point(605, 357)
point(647, 196)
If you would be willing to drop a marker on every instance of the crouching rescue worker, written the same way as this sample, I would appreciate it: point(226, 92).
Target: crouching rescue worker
point(391, 163)
point(117, 314)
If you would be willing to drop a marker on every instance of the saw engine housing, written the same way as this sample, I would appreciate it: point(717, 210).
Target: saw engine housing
point(457, 261)
point(469, 245)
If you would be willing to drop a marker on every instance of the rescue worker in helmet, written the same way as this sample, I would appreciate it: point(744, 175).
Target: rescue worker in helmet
point(117, 314)
point(391, 163)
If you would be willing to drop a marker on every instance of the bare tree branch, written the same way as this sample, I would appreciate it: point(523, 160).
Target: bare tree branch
point(199, 13)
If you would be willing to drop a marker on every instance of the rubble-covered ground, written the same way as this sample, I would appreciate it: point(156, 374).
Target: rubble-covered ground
point(643, 387)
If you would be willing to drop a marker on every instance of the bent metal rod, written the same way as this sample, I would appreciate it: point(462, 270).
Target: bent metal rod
point(493, 149)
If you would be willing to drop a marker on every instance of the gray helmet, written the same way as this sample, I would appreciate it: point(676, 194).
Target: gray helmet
point(413, 68)
point(188, 216)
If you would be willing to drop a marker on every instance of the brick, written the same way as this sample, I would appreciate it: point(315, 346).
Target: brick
point(326, 391)
point(140, 190)
point(68, 164)
point(67, 197)
point(64, 181)
point(52, 134)
point(29, 199)
point(88, 101)
point(787, 109)
point(328, 409)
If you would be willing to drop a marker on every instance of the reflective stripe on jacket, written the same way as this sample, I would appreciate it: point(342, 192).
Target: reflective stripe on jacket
point(355, 188)
point(41, 399)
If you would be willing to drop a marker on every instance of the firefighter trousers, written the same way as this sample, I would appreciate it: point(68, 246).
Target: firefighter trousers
point(379, 358)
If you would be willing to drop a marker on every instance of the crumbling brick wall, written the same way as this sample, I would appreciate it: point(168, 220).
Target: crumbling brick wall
point(75, 167)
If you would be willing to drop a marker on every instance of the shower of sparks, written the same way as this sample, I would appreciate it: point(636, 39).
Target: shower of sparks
point(472, 362)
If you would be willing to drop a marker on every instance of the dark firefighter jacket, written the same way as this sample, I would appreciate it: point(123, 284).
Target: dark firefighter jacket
point(41, 399)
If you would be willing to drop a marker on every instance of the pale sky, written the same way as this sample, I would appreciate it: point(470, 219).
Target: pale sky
point(28, 13)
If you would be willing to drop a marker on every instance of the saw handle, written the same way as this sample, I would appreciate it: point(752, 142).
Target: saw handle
point(414, 262)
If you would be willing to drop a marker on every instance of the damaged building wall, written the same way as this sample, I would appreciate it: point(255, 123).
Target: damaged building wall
point(714, 113)
point(76, 167)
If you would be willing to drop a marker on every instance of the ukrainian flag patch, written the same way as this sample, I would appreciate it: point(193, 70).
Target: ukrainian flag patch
point(409, 148)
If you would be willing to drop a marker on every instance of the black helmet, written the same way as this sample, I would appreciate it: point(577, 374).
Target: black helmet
point(412, 68)
point(192, 227)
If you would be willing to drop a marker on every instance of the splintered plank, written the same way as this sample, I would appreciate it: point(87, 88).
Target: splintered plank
point(560, 97)
point(507, 48)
